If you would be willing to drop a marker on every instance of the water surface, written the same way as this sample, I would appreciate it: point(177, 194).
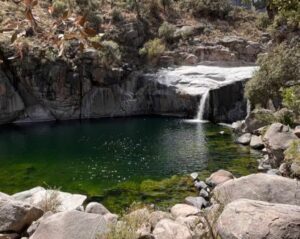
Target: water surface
point(96, 157)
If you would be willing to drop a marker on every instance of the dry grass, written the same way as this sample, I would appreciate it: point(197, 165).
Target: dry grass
point(51, 201)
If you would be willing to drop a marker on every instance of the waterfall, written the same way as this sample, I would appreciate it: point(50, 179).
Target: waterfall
point(201, 109)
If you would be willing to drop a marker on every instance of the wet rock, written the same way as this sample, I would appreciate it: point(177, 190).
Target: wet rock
point(198, 202)
point(168, 229)
point(184, 210)
point(76, 224)
point(15, 216)
point(97, 208)
point(263, 187)
point(244, 139)
point(277, 139)
point(260, 220)
point(156, 216)
point(219, 177)
point(256, 142)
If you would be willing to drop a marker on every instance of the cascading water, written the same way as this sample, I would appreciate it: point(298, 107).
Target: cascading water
point(201, 109)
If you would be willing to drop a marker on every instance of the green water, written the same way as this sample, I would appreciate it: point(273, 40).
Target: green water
point(118, 161)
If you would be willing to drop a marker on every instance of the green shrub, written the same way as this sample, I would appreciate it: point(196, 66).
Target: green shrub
point(153, 49)
point(166, 31)
point(292, 154)
point(110, 53)
point(116, 15)
point(291, 99)
point(262, 21)
point(59, 7)
point(280, 66)
point(285, 116)
point(212, 8)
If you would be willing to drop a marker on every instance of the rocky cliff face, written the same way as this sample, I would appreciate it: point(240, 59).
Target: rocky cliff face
point(36, 90)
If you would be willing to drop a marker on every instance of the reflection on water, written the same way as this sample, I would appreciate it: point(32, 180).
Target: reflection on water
point(96, 155)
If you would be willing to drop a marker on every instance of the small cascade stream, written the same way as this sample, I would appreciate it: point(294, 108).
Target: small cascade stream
point(201, 109)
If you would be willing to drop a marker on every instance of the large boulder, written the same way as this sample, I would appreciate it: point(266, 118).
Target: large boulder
point(244, 139)
point(263, 187)
point(97, 208)
point(156, 216)
point(184, 210)
point(259, 118)
point(260, 220)
point(277, 139)
point(64, 201)
point(219, 177)
point(70, 225)
point(168, 229)
point(15, 216)
point(197, 225)
point(256, 142)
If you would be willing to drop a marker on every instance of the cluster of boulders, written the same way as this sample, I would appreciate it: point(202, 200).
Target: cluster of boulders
point(255, 206)
point(41, 214)
point(279, 143)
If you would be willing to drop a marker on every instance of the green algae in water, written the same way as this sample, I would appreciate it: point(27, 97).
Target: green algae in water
point(118, 161)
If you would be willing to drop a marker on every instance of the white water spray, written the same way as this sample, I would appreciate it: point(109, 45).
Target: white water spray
point(201, 109)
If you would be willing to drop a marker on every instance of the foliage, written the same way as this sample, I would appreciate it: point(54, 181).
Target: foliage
point(110, 53)
point(59, 7)
point(290, 10)
point(263, 21)
point(153, 49)
point(292, 154)
point(291, 99)
point(116, 15)
point(50, 201)
point(285, 116)
point(211, 8)
point(166, 31)
point(280, 66)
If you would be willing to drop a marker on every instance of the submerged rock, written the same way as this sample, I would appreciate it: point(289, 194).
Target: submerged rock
point(15, 215)
point(263, 187)
point(70, 225)
point(260, 220)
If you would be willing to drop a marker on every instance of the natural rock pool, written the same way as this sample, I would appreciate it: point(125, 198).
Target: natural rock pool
point(116, 160)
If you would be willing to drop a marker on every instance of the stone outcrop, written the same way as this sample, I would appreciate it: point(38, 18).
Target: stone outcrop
point(260, 220)
point(244, 139)
point(256, 142)
point(277, 139)
point(65, 201)
point(69, 225)
point(15, 215)
point(48, 91)
point(263, 187)
point(258, 118)
point(184, 210)
point(11, 104)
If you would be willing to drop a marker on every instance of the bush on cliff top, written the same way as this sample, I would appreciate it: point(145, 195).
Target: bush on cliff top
point(279, 67)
